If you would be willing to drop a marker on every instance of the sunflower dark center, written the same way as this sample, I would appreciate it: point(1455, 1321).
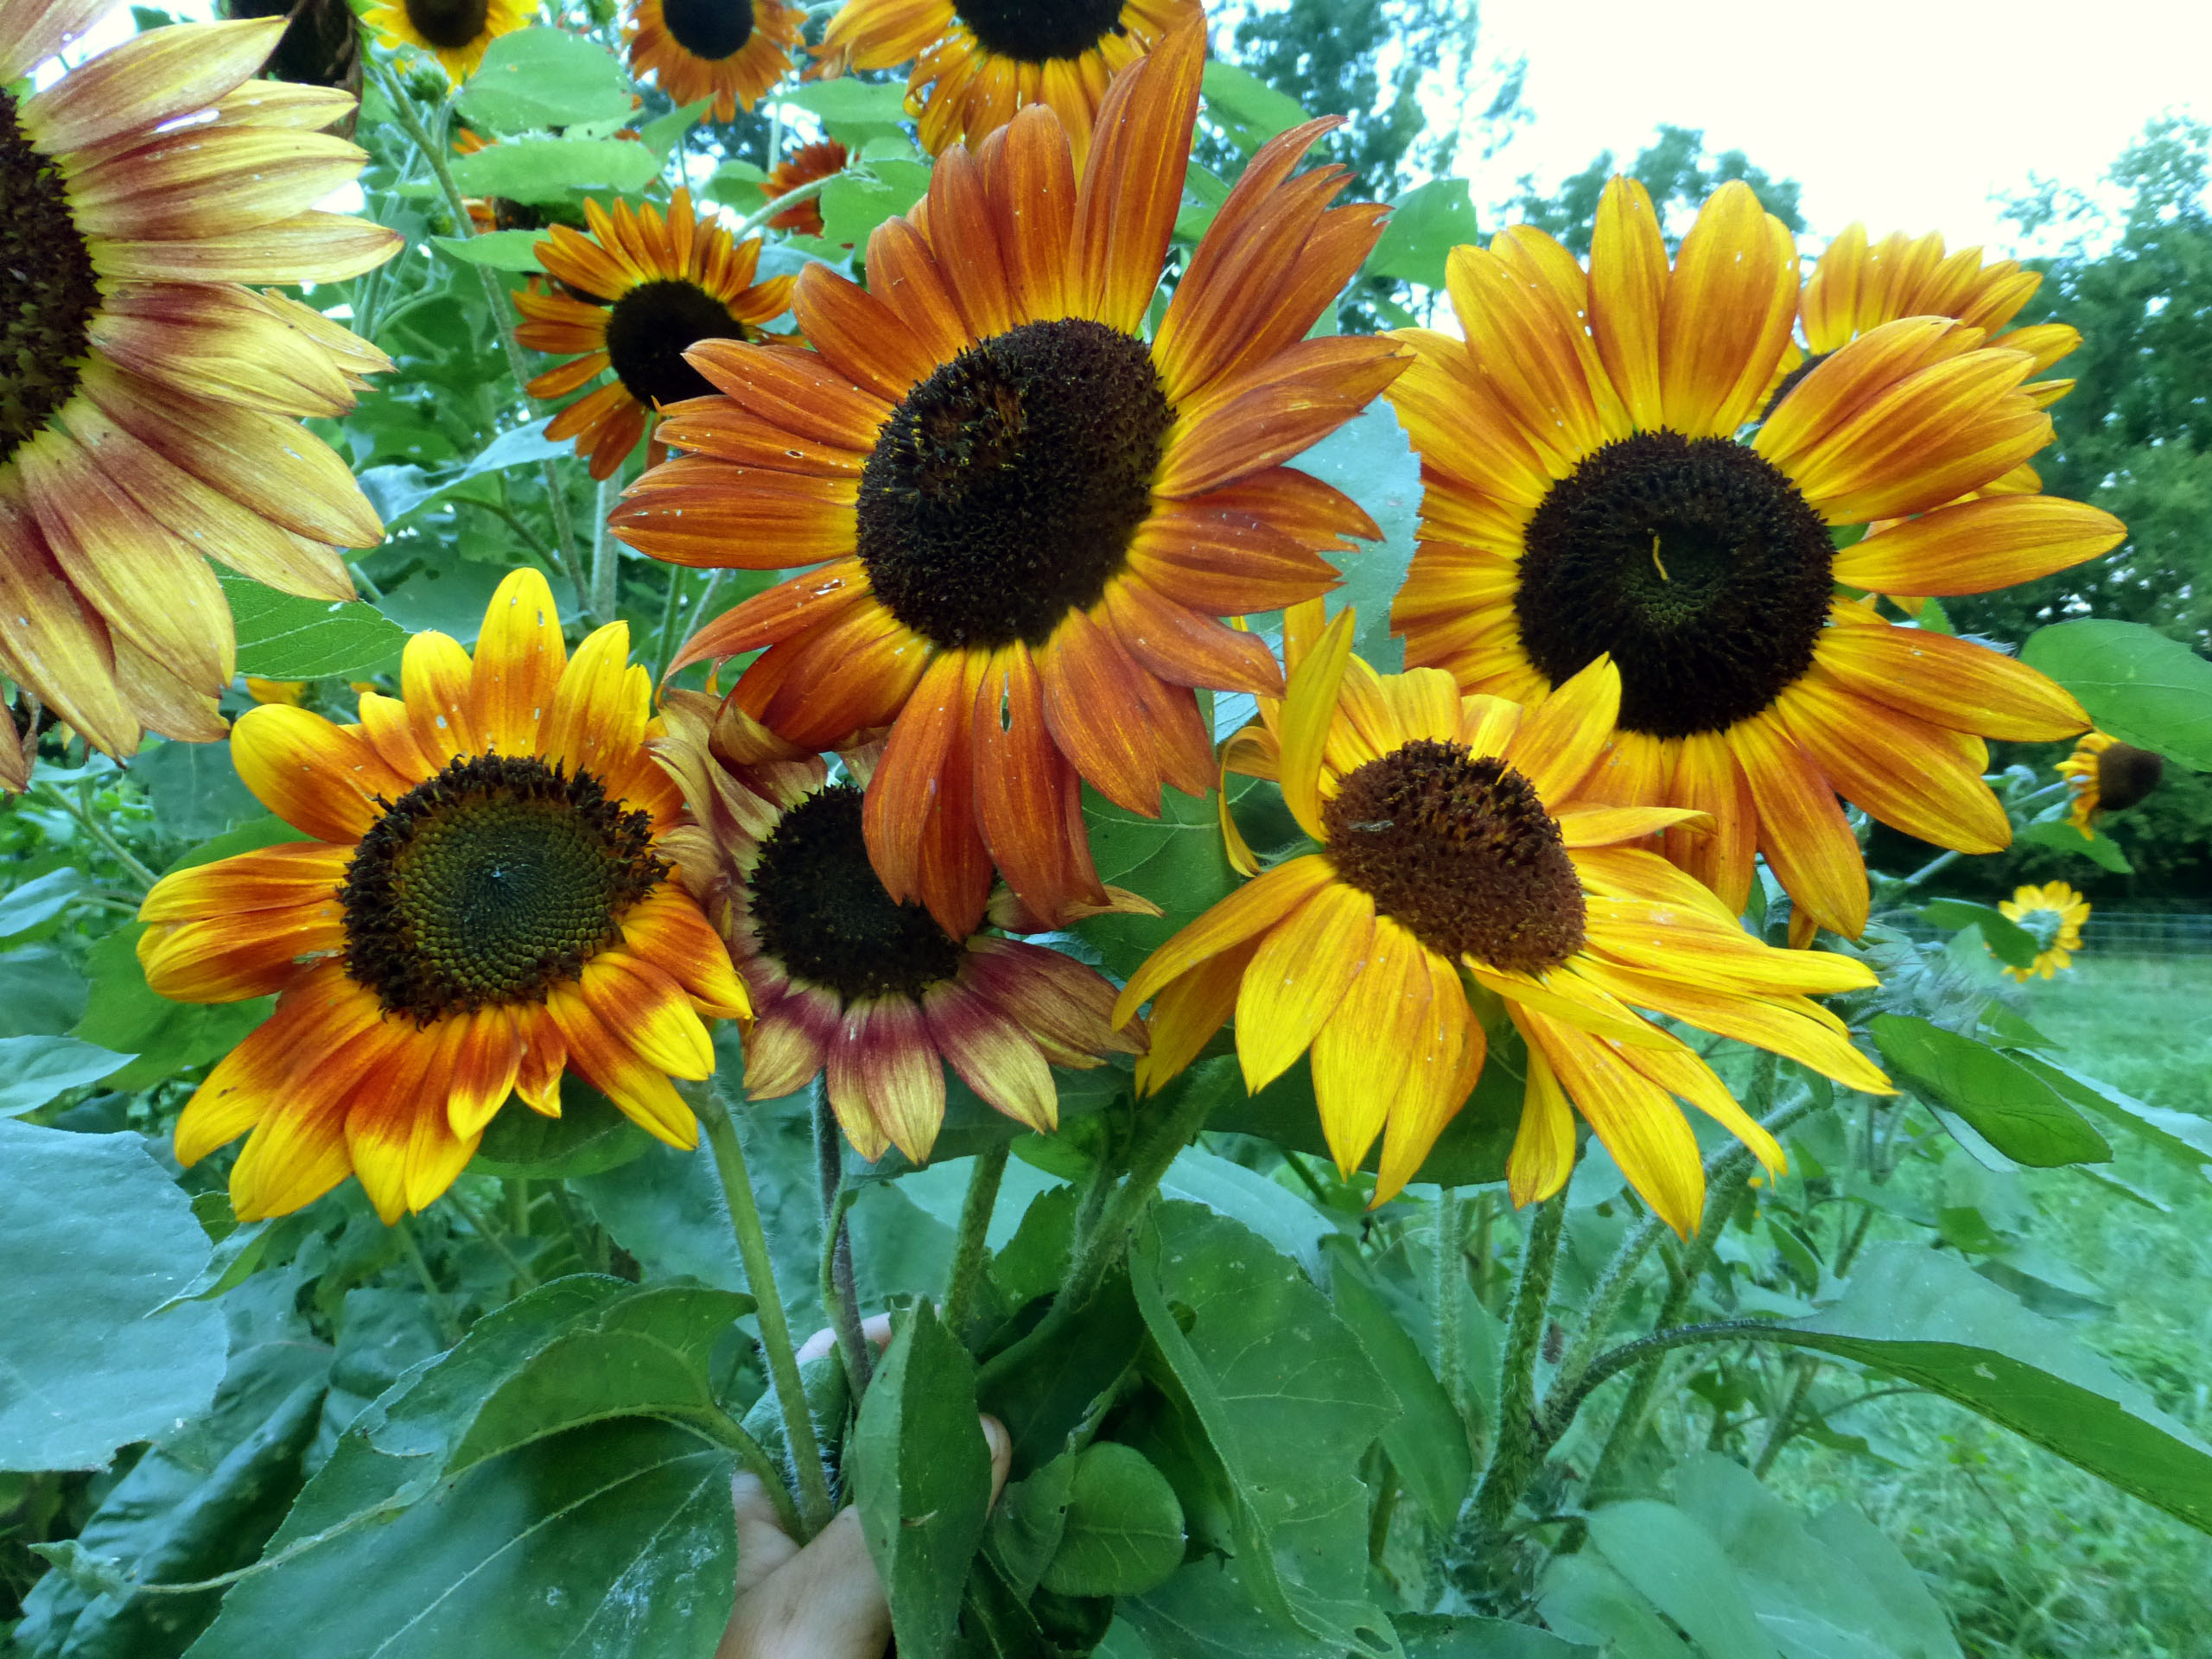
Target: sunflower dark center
point(1006, 488)
point(1461, 852)
point(1695, 562)
point(1034, 30)
point(449, 25)
point(2125, 775)
point(821, 910)
point(48, 292)
point(709, 29)
point(650, 329)
point(492, 883)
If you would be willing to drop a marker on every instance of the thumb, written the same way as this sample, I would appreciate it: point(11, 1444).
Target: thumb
point(1002, 1445)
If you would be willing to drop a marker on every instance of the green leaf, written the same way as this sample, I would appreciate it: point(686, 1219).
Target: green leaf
point(1176, 860)
point(1674, 1563)
point(1284, 1218)
point(125, 1015)
point(40, 993)
point(2013, 1108)
point(267, 830)
point(39, 899)
point(547, 169)
point(2138, 684)
point(194, 789)
point(36, 1070)
point(1046, 1395)
point(1427, 1444)
point(921, 1476)
point(853, 110)
point(660, 136)
point(1468, 1636)
point(1245, 107)
point(1370, 459)
point(854, 204)
point(1123, 1531)
point(104, 1370)
point(1027, 1521)
point(1426, 223)
point(514, 251)
point(537, 78)
point(2012, 945)
point(2097, 847)
point(2182, 1136)
point(397, 491)
point(591, 1137)
point(606, 1542)
point(281, 637)
point(1583, 1598)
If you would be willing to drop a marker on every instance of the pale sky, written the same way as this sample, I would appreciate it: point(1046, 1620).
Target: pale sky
point(1908, 114)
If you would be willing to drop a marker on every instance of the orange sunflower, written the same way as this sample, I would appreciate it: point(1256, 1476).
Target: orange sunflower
point(668, 284)
point(149, 413)
point(977, 62)
point(1031, 519)
point(486, 901)
point(730, 50)
point(803, 167)
point(850, 981)
point(1461, 833)
point(1588, 492)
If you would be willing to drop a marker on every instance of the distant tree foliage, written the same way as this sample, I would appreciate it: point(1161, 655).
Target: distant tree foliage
point(1677, 173)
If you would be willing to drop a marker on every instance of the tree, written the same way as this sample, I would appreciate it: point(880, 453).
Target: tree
point(1676, 173)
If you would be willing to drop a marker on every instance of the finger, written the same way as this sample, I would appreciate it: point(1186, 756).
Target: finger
point(762, 1544)
point(825, 1603)
point(876, 1329)
point(1001, 1445)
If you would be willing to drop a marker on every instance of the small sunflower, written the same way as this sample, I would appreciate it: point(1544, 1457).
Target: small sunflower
point(977, 62)
point(456, 32)
point(730, 50)
point(2107, 776)
point(803, 167)
point(847, 979)
point(2053, 914)
point(668, 285)
point(1459, 833)
point(486, 901)
point(1588, 493)
point(149, 412)
point(1031, 517)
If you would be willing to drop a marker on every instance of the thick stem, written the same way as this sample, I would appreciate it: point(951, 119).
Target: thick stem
point(448, 1327)
point(1516, 1451)
point(490, 1234)
point(1778, 1432)
point(606, 551)
point(839, 1299)
point(89, 823)
point(1449, 1278)
point(784, 203)
point(775, 1330)
point(968, 1252)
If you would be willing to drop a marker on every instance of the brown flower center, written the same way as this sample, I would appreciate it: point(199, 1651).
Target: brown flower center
point(713, 29)
point(1005, 490)
point(1461, 852)
point(652, 326)
point(492, 883)
point(47, 291)
point(449, 25)
point(2125, 775)
point(821, 910)
point(1695, 562)
point(1035, 30)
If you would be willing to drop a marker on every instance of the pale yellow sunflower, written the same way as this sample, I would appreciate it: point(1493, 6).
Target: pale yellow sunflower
point(2053, 915)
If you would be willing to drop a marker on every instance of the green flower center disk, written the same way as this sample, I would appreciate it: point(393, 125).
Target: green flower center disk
point(47, 290)
point(448, 25)
point(1005, 490)
point(1695, 562)
point(821, 910)
point(1461, 853)
point(1036, 30)
point(492, 883)
point(713, 29)
point(652, 326)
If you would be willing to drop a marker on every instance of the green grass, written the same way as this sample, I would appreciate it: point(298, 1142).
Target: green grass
point(2035, 1559)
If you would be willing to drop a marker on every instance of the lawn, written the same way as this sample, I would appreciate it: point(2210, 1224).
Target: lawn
point(2035, 1560)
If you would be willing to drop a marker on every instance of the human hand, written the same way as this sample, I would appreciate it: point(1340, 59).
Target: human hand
point(823, 1601)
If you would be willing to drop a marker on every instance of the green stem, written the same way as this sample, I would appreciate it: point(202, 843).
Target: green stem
point(91, 826)
point(789, 199)
point(775, 1330)
point(671, 604)
point(447, 1326)
point(484, 1231)
point(1645, 1350)
point(606, 551)
point(1785, 1420)
point(717, 1427)
point(1450, 1277)
point(1516, 1449)
point(969, 1251)
point(839, 1297)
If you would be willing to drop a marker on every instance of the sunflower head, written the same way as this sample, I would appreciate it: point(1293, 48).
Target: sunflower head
point(803, 167)
point(2107, 775)
point(486, 899)
point(731, 51)
point(1458, 835)
point(2053, 915)
point(455, 32)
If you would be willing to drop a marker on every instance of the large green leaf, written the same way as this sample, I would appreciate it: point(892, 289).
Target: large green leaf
point(535, 78)
point(2013, 945)
point(2097, 847)
point(1245, 107)
point(1045, 1393)
point(921, 1475)
point(1176, 860)
point(1675, 1564)
point(2182, 1136)
point(1426, 223)
point(1286, 1219)
point(283, 637)
point(125, 1015)
point(1370, 459)
point(1465, 1636)
point(1122, 1531)
point(2138, 684)
point(40, 993)
point(194, 789)
point(36, 1070)
point(1583, 1598)
point(97, 1237)
point(1427, 1444)
point(854, 204)
point(589, 1137)
point(512, 251)
point(547, 169)
point(2009, 1106)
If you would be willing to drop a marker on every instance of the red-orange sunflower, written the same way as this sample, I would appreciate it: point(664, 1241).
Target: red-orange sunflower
point(803, 167)
point(1026, 519)
point(485, 902)
point(731, 51)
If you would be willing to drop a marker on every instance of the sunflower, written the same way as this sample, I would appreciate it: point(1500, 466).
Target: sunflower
point(456, 32)
point(729, 50)
point(2053, 914)
point(1586, 493)
point(1460, 832)
point(2107, 776)
point(803, 167)
point(1031, 518)
point(149, 413)
point(486, 901)
point(850, 981)
point(668, 285)
point(978, 61)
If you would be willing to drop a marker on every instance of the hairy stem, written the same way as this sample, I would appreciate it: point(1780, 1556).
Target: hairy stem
point(1516, 1450)
point(839, 1299)
point(1805, 1368)
point(975, 1228)
point(1449, 1277)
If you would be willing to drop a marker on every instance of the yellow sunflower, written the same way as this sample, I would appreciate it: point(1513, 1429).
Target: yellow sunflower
point(2107, 776)
point(1031, 518)
point(1589, 491)
point(729, 50)
point(668, 284)
point(1460, 833)
point(803, 166)
point(455, 32)
point(848, 979)
point(2053, 914)
point(977, 62)
point(486, 901)
point(149, 414)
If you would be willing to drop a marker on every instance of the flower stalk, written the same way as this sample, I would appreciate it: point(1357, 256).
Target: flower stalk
point(1517, 1448)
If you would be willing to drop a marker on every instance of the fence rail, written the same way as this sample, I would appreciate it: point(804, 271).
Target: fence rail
point(2147, 934)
